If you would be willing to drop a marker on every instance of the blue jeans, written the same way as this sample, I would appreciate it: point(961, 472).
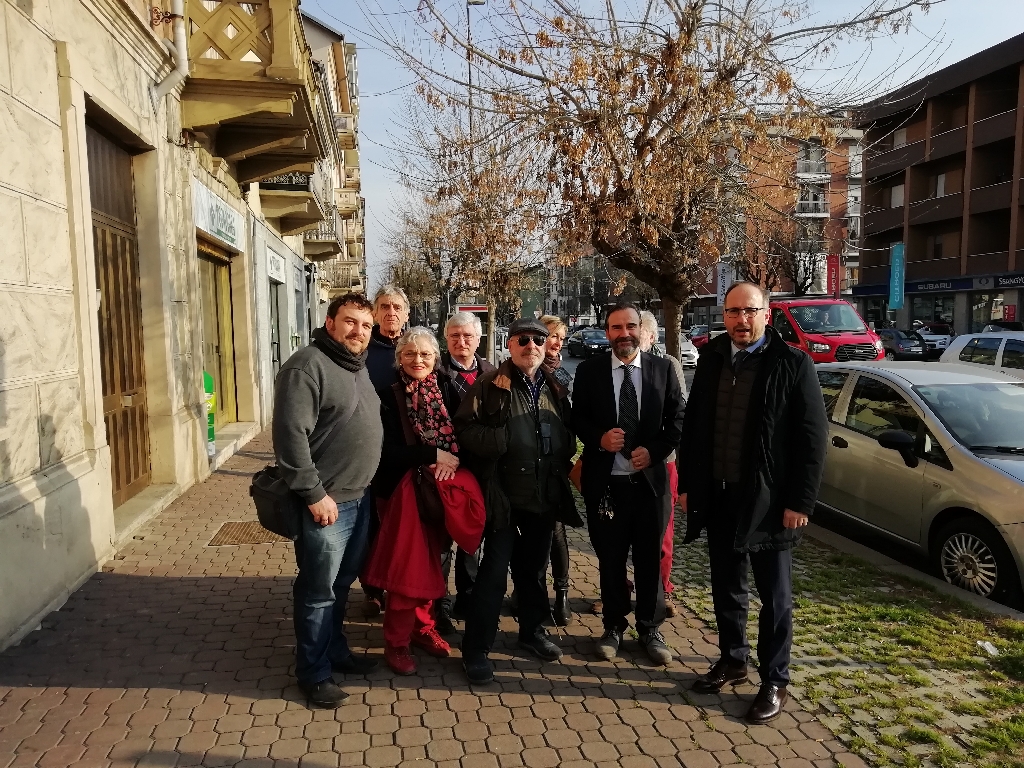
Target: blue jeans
point(329, 559)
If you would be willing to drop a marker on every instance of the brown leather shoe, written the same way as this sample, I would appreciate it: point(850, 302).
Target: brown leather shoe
point(670, 607)
point(767, 704)
point(722, 673)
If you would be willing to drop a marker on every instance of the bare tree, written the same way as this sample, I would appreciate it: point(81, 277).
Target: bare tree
point(660, 124)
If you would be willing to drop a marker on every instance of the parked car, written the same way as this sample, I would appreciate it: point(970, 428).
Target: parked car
point(501, 353)
point(932, 455)
point(688, 353)
point(1003, 352)
point(998, 326)
point(586, 343)
point(827, 329)
point(937, 336)
point(698, 335)
point(902, 345)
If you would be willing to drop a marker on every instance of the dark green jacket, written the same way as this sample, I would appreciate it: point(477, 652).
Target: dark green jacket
point(501, 439)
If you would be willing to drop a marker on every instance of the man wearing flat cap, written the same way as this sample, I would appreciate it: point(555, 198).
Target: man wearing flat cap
point(514, 430)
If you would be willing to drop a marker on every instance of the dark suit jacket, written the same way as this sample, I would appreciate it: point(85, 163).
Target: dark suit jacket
point(594, 413)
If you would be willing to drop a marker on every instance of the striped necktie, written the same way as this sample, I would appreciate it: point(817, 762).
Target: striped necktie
point(629, 411)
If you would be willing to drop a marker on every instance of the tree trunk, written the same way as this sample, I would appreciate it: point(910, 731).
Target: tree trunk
point(492, 316)
point(670, 309)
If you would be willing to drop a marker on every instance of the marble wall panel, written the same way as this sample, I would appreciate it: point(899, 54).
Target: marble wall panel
point(61, 434)
point(37, 334)
point(12, 244)
point(19, 437)
point(5, 67)
point(33, 63)
point(48, 244)
point(31, 152)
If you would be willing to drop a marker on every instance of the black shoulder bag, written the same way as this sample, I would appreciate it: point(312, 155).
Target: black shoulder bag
point(278, 507)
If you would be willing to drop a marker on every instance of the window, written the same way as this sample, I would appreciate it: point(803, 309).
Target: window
point(781, 324)
point(899, 138)
point(1013, 354)
point(981, 351)
point(985, 307)
point(831, 386)
point(876, 407)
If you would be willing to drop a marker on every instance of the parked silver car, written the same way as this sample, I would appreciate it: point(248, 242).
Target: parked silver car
point(998, 350)
point(932, 455)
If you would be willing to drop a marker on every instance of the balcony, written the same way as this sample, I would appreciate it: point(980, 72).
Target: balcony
point(813, 208)
point(883, 220)
point(345, 127)
point(252, 91)
point(987, 263)
point(296, 199)
point(995, 128)
point(937, 209)
point(324, 241)
point(347, 201)
point(812, 168)
point(355, 251)
point(948, 143)
point(877, 164)
point(354, 232)
point(351, 168)
point(991, 198)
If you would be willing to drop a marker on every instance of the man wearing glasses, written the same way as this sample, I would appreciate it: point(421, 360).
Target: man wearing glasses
point(514, 429)
point(750, 462)
point(628, 411)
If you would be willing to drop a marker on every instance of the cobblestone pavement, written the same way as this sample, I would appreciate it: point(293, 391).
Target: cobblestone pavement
point(180, 654)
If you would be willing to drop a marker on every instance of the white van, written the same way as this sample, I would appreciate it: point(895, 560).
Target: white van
point(1002, 351)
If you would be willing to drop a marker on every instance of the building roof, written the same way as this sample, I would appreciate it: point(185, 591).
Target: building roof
point(323, 26)
point(1005, 54)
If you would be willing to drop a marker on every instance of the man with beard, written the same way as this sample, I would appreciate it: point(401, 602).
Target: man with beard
point(324, 403)
point(514, 429)
point(751, 459)
point(628, 411)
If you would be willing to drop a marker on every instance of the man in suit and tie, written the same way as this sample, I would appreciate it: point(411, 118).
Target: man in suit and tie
point(628, 411)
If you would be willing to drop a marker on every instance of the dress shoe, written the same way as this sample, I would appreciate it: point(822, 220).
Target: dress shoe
point(657, 651)
point(326, 693)
point(372, 607)
point(597, 607)
point(541, 646)
point(561, 615)
point(670, 607)
point(767, 704)
point(431, 642)
point(443, 619)
point(400, 659)
point(478, 668)
point(608, 646)
point(722, 673)
point(354, 665)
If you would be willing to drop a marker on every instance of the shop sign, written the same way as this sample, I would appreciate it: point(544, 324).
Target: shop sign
point(1009, 311)
point(897, 274)
point(275, 266)
point(1010, 281)
point(833, 282)
point(725, 279)
point(216, 218)
point(938, 286)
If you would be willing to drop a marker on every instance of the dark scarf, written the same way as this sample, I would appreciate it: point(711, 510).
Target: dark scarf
point(551, 362)
point(338, 353)
point(430, 419)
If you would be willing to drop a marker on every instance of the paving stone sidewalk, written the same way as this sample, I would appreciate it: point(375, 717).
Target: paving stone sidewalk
point(179, 654)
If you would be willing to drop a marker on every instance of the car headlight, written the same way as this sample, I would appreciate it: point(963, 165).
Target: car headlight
point(817, 346)
point(878, 345)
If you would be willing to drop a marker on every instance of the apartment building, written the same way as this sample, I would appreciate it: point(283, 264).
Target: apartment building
point(942, 170)
point(174, 179)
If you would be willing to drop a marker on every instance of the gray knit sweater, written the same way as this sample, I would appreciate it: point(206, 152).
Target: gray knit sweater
point(312, 392)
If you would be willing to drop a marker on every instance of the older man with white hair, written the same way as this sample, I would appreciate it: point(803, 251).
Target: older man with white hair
point(390, 314)
point(461, 365)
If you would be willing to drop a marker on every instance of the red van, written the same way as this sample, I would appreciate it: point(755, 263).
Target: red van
point(829, 330)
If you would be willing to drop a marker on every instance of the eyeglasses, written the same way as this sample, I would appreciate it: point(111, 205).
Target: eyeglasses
point(735, 312)
point(537, 340)
point(417, 355)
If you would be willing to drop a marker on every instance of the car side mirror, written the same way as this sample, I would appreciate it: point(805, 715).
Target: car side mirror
point(900, 441)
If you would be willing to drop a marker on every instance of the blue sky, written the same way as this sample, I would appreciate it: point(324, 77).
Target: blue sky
point(952, 31)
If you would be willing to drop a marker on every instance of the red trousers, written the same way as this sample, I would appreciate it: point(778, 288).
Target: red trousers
point(666, 544)
point(405, 615)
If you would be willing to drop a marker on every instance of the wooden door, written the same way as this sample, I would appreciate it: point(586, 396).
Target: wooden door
point(218, 336)
point(122, 367)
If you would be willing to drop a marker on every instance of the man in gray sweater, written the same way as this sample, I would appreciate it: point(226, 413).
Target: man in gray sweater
point(324, 401)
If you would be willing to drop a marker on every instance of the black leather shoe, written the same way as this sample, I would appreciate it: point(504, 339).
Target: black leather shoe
point(608, 646)
point(657, 651)
point(354, 665)
point(443, 620)
point(767, 704)
point(722, 673)
point(479, 669)
point(326, 693)
point(540, 646)
point(561, 615)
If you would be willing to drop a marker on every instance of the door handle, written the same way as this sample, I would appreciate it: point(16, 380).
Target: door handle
point(838, 442)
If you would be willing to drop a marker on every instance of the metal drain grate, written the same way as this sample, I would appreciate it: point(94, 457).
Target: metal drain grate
point(244, 533)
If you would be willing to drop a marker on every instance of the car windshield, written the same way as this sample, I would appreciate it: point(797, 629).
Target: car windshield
point(698, 330)
point(912, 335)
point(827, 318)
point(593, 335)
point(937, 330)
point(984, 417)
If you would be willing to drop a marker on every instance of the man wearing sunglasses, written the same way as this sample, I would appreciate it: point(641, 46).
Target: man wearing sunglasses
point(628, 411)
point(514, 429)
point(750, 464)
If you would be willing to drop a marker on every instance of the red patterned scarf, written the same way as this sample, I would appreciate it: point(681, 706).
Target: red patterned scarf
point(430, 418)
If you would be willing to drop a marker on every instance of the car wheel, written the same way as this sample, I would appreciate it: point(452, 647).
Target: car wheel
point(890, 355)
point(970, 554)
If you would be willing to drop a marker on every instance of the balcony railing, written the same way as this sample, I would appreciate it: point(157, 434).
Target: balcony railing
point(812, 207)
point(812, 167)
point(345, 127)
point(353, 231)
point(324, 240)
point(347, 201)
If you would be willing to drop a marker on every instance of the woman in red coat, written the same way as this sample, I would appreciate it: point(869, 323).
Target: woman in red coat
point(406, 556)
